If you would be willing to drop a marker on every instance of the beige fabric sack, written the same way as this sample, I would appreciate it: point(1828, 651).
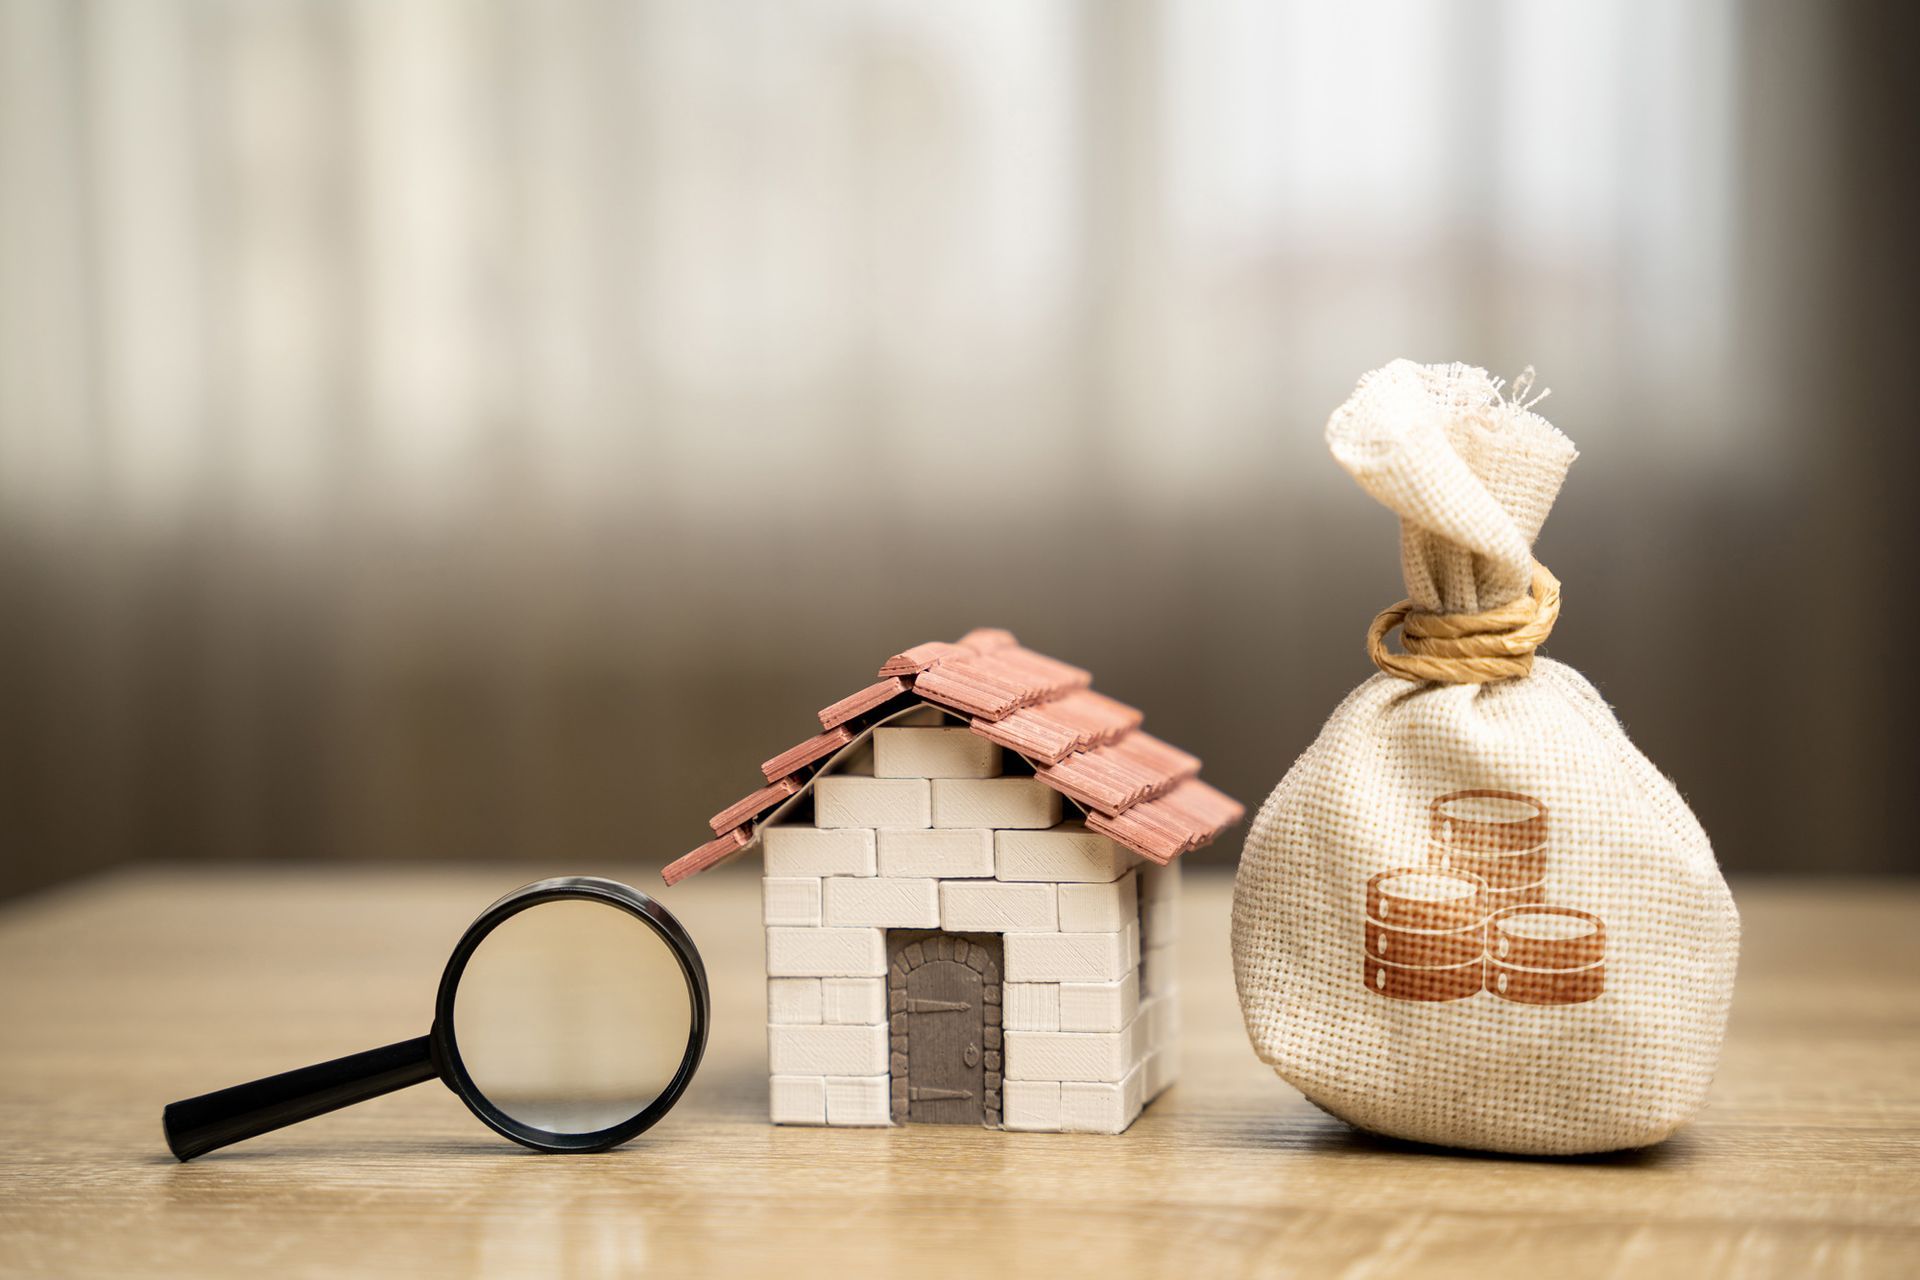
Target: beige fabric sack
point(1473, 914)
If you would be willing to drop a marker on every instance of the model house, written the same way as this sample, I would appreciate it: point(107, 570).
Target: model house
point(971, 897)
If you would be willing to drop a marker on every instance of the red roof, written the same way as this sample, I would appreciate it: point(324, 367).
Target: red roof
point(1134, 788)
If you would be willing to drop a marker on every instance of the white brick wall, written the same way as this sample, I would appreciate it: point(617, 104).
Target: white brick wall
point(1106, 1048)
point(1030, 1006)
point(1031, 1104)
point(990, 906)
point(826, 953)
point(959, 852)
point(1159, 1072)
point(1159, 905)
point(804, 851)
point(1071, 957)
point(1064, 1055)
point(1099, 1006)
point(835, 1100)
point(794, 1001)
point(791, 900)
point(827, 1051)
point(853, 1000)
point(1101, 1108)
point(798, 1100)
point(1162, 1013)
point(934, 753)
point(1099, 908)
point(1066, 852)
point(1161, 1016)
point(933, 839)
point(993, 802)
point(857, 1100)
point(874, 802)
point(882, 902)
point(813, 1001)
point(1102, 1079)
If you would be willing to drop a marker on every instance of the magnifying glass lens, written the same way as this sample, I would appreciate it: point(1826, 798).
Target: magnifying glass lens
point(572, 1016)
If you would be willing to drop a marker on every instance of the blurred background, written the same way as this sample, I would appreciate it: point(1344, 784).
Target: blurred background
point(436, 430)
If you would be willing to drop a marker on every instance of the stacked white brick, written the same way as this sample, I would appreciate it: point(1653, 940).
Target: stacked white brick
point(936, 878)
point(937, 838)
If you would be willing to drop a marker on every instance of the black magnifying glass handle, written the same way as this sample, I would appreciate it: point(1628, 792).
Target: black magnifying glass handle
point(213, 1120)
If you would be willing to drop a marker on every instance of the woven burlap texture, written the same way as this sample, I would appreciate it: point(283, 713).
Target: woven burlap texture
point(1472, 475)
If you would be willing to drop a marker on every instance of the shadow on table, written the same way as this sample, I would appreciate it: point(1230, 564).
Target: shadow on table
point(1347, 1140)
point(1307, 1131)
point(366, 1152)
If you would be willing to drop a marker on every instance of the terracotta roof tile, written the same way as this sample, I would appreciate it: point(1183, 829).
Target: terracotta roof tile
point(919, 658)
point(752, 806)
point(994, 685)
point(1111, 778)
point(1207, 807)
point(1156, 757)
point(707, 855)
point(1135, 788)
point(1050, 731)
point(964, 686)
point(801, 754)
point(1033, 733)
point(1183, 820)
point(858, 704)
point(1143, 832)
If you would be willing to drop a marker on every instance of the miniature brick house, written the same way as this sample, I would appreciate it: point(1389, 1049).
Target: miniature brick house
point(945, 943)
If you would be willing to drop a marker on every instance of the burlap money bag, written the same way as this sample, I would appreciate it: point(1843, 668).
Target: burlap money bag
point(1472, 913)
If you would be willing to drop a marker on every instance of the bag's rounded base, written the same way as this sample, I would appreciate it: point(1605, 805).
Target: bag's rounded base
point(1600, 1027)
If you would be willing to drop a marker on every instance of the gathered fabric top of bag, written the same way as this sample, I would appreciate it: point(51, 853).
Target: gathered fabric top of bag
point(1472, 473)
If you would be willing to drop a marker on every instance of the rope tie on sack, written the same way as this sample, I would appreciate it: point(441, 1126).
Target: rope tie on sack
point(1468, 648)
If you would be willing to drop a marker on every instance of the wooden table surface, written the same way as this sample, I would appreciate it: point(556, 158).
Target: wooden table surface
point(121, 994)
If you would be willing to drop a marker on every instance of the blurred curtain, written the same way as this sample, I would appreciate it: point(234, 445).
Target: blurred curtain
point(441, 429)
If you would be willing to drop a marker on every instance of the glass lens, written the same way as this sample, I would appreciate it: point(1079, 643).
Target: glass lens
point(572, 1016)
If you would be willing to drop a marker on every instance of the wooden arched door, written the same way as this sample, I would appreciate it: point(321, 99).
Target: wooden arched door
point(943, 993)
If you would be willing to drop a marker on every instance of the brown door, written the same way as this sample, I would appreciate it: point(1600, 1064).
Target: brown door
point(947, 991)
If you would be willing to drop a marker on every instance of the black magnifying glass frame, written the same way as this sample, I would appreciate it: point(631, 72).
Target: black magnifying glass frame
point(196, 1126)
point(453, 1069)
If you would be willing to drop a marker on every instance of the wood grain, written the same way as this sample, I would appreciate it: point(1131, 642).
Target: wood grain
point(119, 995)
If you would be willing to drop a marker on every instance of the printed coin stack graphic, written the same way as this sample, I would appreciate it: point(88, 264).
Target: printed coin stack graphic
point(1426, 934)
point(1500, 836)
point(1546, 955)
point(1476, 918)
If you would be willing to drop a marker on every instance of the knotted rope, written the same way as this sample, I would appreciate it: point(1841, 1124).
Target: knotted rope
point(1468, 648)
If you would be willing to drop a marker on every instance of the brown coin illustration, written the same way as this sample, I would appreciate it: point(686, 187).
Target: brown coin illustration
point(1546, 986)
point(1425, 947)
point(1427, 898)
point(1500, 870)
point(1543, 937)
point(1412, 982)
point(1546, 955)
point(1486, 821)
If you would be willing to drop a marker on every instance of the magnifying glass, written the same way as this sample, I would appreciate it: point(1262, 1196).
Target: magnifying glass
point(571, 1017)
